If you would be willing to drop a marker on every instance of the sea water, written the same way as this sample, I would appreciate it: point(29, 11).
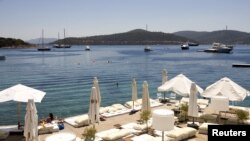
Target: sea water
point(66, 75)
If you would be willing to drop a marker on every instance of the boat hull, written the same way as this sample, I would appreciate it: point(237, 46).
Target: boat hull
point(43, 49)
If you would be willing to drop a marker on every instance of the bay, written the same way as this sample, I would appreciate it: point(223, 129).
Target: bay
point(66, 75)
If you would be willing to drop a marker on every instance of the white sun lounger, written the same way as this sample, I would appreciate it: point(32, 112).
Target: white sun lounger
point(11, 128)
point(48, 128)
point(178, 133)
point(113, 134)
point(78, 121)
point(114, 110)
point(147, 137)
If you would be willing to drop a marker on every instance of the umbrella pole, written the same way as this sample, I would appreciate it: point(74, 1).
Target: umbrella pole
point(164, 96)
point(133, 104)
point(18, 113)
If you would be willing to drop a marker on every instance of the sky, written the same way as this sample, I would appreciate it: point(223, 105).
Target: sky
point(25, 19)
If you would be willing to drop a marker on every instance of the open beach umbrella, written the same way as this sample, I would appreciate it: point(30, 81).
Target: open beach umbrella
point(145, 97)
point(226, 87)
point(21, 93)
point(134, 91)
point(180, 85)
point(96, 85)
point(192, 106)
point(93, 107)
point(31, 122)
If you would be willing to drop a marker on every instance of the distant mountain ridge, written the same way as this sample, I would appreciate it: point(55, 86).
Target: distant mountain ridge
point(224, 36)
point(39, 40)
point(133, 37)
point(13, 43)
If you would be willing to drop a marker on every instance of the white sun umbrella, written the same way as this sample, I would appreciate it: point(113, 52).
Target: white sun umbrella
point(145, 97)
point(180, 85)
point(21, 93)
point(134, 91)
point(164, 78)
point(93, 107)
point(31, 122)
point(96, 85)
point(226, 87)
point(192, 106)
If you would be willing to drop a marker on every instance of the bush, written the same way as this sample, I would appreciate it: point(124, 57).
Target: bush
point(242, 115)
point(89, 133)
point(145, 115)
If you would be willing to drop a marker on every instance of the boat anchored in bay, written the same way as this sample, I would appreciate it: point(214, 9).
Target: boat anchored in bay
point(219, 48)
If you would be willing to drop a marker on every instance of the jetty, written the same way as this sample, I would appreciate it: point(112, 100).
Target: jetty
point(241, 65)
point(2, 58)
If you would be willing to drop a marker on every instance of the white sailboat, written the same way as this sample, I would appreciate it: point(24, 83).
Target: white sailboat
point(43, 48)
point(64, 45)
point(147, 48)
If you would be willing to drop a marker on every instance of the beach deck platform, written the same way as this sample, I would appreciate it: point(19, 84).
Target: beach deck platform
point(241, 65)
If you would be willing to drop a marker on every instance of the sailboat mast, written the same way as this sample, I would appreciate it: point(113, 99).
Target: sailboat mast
point(42, 38)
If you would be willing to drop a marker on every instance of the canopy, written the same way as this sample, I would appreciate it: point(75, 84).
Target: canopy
point(180, 85)
point(31, 121)
point(93, 107)
point(21, 93)
point(145, 97)
point(192, 106)
point(226, 87)
point(96, 85)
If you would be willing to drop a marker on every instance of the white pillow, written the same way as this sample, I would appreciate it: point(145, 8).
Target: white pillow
point(84, 119)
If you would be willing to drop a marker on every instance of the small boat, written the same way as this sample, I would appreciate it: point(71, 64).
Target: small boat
point(193, 44)
point(87, 48)
point(219, 48)
point(43, 48)
point(147, 49)
point(185, 46)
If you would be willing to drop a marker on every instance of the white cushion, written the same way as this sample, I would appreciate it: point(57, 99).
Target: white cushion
point(203, 101)
point(116, 135)
point(84, 119)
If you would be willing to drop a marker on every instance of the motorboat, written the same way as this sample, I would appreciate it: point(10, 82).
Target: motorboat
point(87, 48)
point(193, 44)
point(147, 49)
point(185, 46)
point(219, 48)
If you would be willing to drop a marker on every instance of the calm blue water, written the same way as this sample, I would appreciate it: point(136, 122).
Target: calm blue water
point(66, 75)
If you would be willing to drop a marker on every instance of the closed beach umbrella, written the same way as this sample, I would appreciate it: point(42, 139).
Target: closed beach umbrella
point(226, 87)
point(96, 85)
point(93, 107)
point(180, 85)
point(134, 91)
point(164, 76)
point(31, 121)
point(192, 105)
point(145, 97)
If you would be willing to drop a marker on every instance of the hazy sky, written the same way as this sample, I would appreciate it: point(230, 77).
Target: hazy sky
point(25, 19)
